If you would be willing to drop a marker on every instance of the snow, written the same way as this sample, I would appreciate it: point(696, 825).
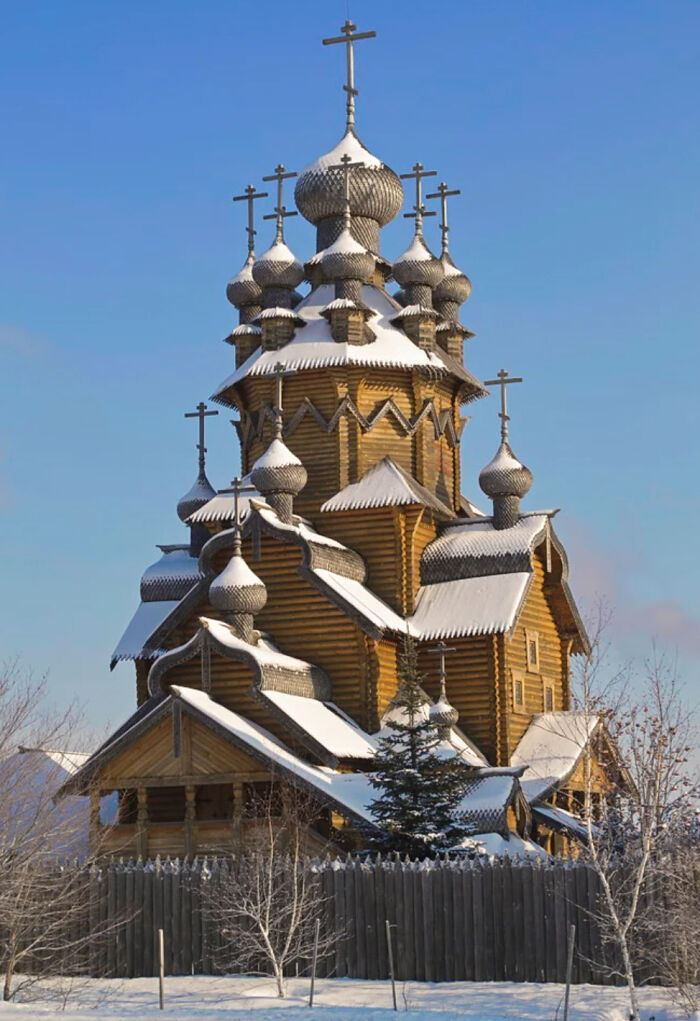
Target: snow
point(277, 455)
point(327, 725)
point(264, 652)
point(344, 244)
point(349, 145)
point(148, 617)
point(314, 346)
point(550, 748)
point(276, 312)
point(385, 484)
point(560, 817)
point(176, 564)
point(245, 330)
point(349, 790)
point(469, 606)
point(278, 252)
point(415, 310)
point(417, 251)
point(215, 997)
point(339, 303)
point(299, 527)
point(236, 573)
point(477, 538)
point(493, 845)
point(220, 507)
point(504, 460)
point(364, 601)
point(488, 793)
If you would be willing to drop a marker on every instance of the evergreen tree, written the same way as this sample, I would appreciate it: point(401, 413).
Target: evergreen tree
point(420, 788)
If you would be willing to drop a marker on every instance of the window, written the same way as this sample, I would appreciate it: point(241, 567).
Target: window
point(532, 643)
point(548, 698)
point(518, 691)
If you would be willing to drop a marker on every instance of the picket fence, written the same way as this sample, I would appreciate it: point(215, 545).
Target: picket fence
point(450, 920)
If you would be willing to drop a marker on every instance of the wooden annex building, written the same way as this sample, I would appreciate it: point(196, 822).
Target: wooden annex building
point(265, 646)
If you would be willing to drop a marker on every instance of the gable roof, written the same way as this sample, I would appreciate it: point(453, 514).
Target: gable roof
point(551, 748)
point(469, 606)
point(385, 484)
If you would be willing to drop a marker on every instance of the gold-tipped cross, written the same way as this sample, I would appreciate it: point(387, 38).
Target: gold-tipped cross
point(442, 193)
point(419, 209)
point(349, 37)
point(280, 175)
point(503, 381)
point(346, 165)
point(249, 196)
point(201, 413)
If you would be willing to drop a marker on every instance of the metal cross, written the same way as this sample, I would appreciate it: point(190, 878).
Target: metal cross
point(442, 649)
point(280, 212)
point(249, 196)
point(442, 193)
point(419, 209)
point(237, 488)
point(349, 37)
point(346, 165)
point(279, 372)
point(201, 413)
point(503, 381)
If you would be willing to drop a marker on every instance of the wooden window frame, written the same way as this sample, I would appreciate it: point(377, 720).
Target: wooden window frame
point(532, 636)
point(518, 678)
point(547, 685)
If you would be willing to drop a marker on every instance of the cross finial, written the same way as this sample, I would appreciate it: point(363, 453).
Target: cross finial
point(503, 381)
point(442, 193)
point(420, 211)
point(349, 37)
point(280, 373)
point(441, 650)
point(346, 165)
point(249, 196)
point(201, 413)
point(237, 487)
point(280, 175)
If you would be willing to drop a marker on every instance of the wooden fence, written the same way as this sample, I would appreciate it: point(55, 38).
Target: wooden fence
point(473, 920)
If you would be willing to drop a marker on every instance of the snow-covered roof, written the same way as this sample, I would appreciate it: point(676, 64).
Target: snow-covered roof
point(550, 748)
point(359, 597)
point(221, 506)
point(349, 790)
point(479, 538)
point(264, 652)
point(385, 484)
point(409, 311)
point(314, 346)
point(469, 606)
point(454, 744)
point(67, 762)
point(148, 617)
point(172, 575)
point(328, 725)
point(494, 845)
point(560, 819)
point(298, 526)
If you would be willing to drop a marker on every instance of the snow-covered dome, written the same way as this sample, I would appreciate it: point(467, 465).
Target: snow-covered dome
point(418, 265)
point(505, 475)
point(278, 267)
point(237, 589)
point(200, 493)
point(454, 287)
point(278, 470)
point(347, 259)
point(171, 577)
point(242, 289)
point(376, 192)
point(442, 713)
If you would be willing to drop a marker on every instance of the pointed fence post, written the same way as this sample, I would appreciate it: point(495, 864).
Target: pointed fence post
point(569, 966)
point(161, 966)
point(391, 962)
point(313, 963)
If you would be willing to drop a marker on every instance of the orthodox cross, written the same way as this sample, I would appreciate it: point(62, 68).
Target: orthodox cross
point(237, 487)
point(346, 165)
point(250, 196)
point(503, 381)
point(279, 372)
point(349, 37)
point(201, 413)
point(420, 211)
point(441, 650)
point(442, 193)
point(280, 212)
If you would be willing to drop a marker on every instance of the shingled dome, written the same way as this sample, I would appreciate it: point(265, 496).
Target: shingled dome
point(278, 267)
point(242, 289)
point(505, 475)
point(418, 265)
point(171, 577)
point(278, 470)
point(237, 590)
point(200, 493)
point(454, 287)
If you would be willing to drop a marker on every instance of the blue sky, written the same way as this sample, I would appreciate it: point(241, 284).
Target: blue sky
point(572, 132)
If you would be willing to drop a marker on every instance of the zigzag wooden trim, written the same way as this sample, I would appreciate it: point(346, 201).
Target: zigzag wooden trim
point(252, 424)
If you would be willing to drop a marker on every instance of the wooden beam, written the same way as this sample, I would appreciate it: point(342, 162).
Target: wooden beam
point(142, 823)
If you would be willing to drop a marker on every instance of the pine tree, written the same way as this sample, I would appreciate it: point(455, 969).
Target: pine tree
point(420, 789)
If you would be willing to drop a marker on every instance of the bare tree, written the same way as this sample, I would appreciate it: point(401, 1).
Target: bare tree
point(268, 895)
point(627, 831)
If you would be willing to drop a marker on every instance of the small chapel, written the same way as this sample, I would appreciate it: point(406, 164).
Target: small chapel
point(266, 641)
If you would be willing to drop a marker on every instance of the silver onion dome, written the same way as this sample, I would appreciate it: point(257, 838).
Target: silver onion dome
point(278, 470)
point(278, 267)
point(237, 590)
point(418, 265)
point(242, 289)
point(200, 493)
point(455, 287)
point(347, 259)
point(442, 713)
point(505, 475)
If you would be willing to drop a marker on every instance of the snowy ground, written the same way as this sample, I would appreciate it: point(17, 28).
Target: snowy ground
point(212, 998)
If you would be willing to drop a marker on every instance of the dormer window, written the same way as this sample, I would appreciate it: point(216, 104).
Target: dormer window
point(532, 646)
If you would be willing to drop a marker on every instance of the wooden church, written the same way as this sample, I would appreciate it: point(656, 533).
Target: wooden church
point(266, 646)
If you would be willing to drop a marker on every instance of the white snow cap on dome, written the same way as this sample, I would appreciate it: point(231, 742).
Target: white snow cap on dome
point(277, 455)
point(349, 145)
point(504, 460)
point(417, 251)
point(344, 244)
point(277, 252)
point(238, 574)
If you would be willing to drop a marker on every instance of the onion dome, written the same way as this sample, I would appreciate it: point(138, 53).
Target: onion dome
point(442, 714)
point(201, 492)
point(278, 267)
point(505, 475)
point(454, 287)
point(376, 193)
point(171, 577)
point(278, 470)
point(347, 259)
point(237, 590)
point(418, 266)
point(242, 289)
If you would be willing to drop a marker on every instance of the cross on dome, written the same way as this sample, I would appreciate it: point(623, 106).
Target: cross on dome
point(419, 172)
point(201, 413)
point(249, 196)
point(441, 650)
point(349, 37)
point(237, 487)
point(346, 165)
point(442, 193)
point(280, 175)
point(504, 380)
point(279, 373)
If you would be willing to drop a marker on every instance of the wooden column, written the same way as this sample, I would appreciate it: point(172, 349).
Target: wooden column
point(237, 814)
point(190, 816)
point(94, 819)
point(142, 822)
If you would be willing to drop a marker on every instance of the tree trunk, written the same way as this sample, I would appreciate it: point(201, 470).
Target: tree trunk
point(279, 979)
point(9, 973)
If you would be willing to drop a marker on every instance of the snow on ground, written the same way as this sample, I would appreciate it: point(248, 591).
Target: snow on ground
point(209, 998)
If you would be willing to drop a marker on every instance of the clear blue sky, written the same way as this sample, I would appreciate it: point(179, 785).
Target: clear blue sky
point(571, 128)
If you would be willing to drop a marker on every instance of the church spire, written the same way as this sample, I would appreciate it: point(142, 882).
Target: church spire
point(417, 270)
point(349, 37)
point(277, 270)
point(505, 479)
point(454, 288)
point(242, 291)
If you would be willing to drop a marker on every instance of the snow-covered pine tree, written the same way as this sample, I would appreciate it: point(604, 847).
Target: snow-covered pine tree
point(420, 788)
